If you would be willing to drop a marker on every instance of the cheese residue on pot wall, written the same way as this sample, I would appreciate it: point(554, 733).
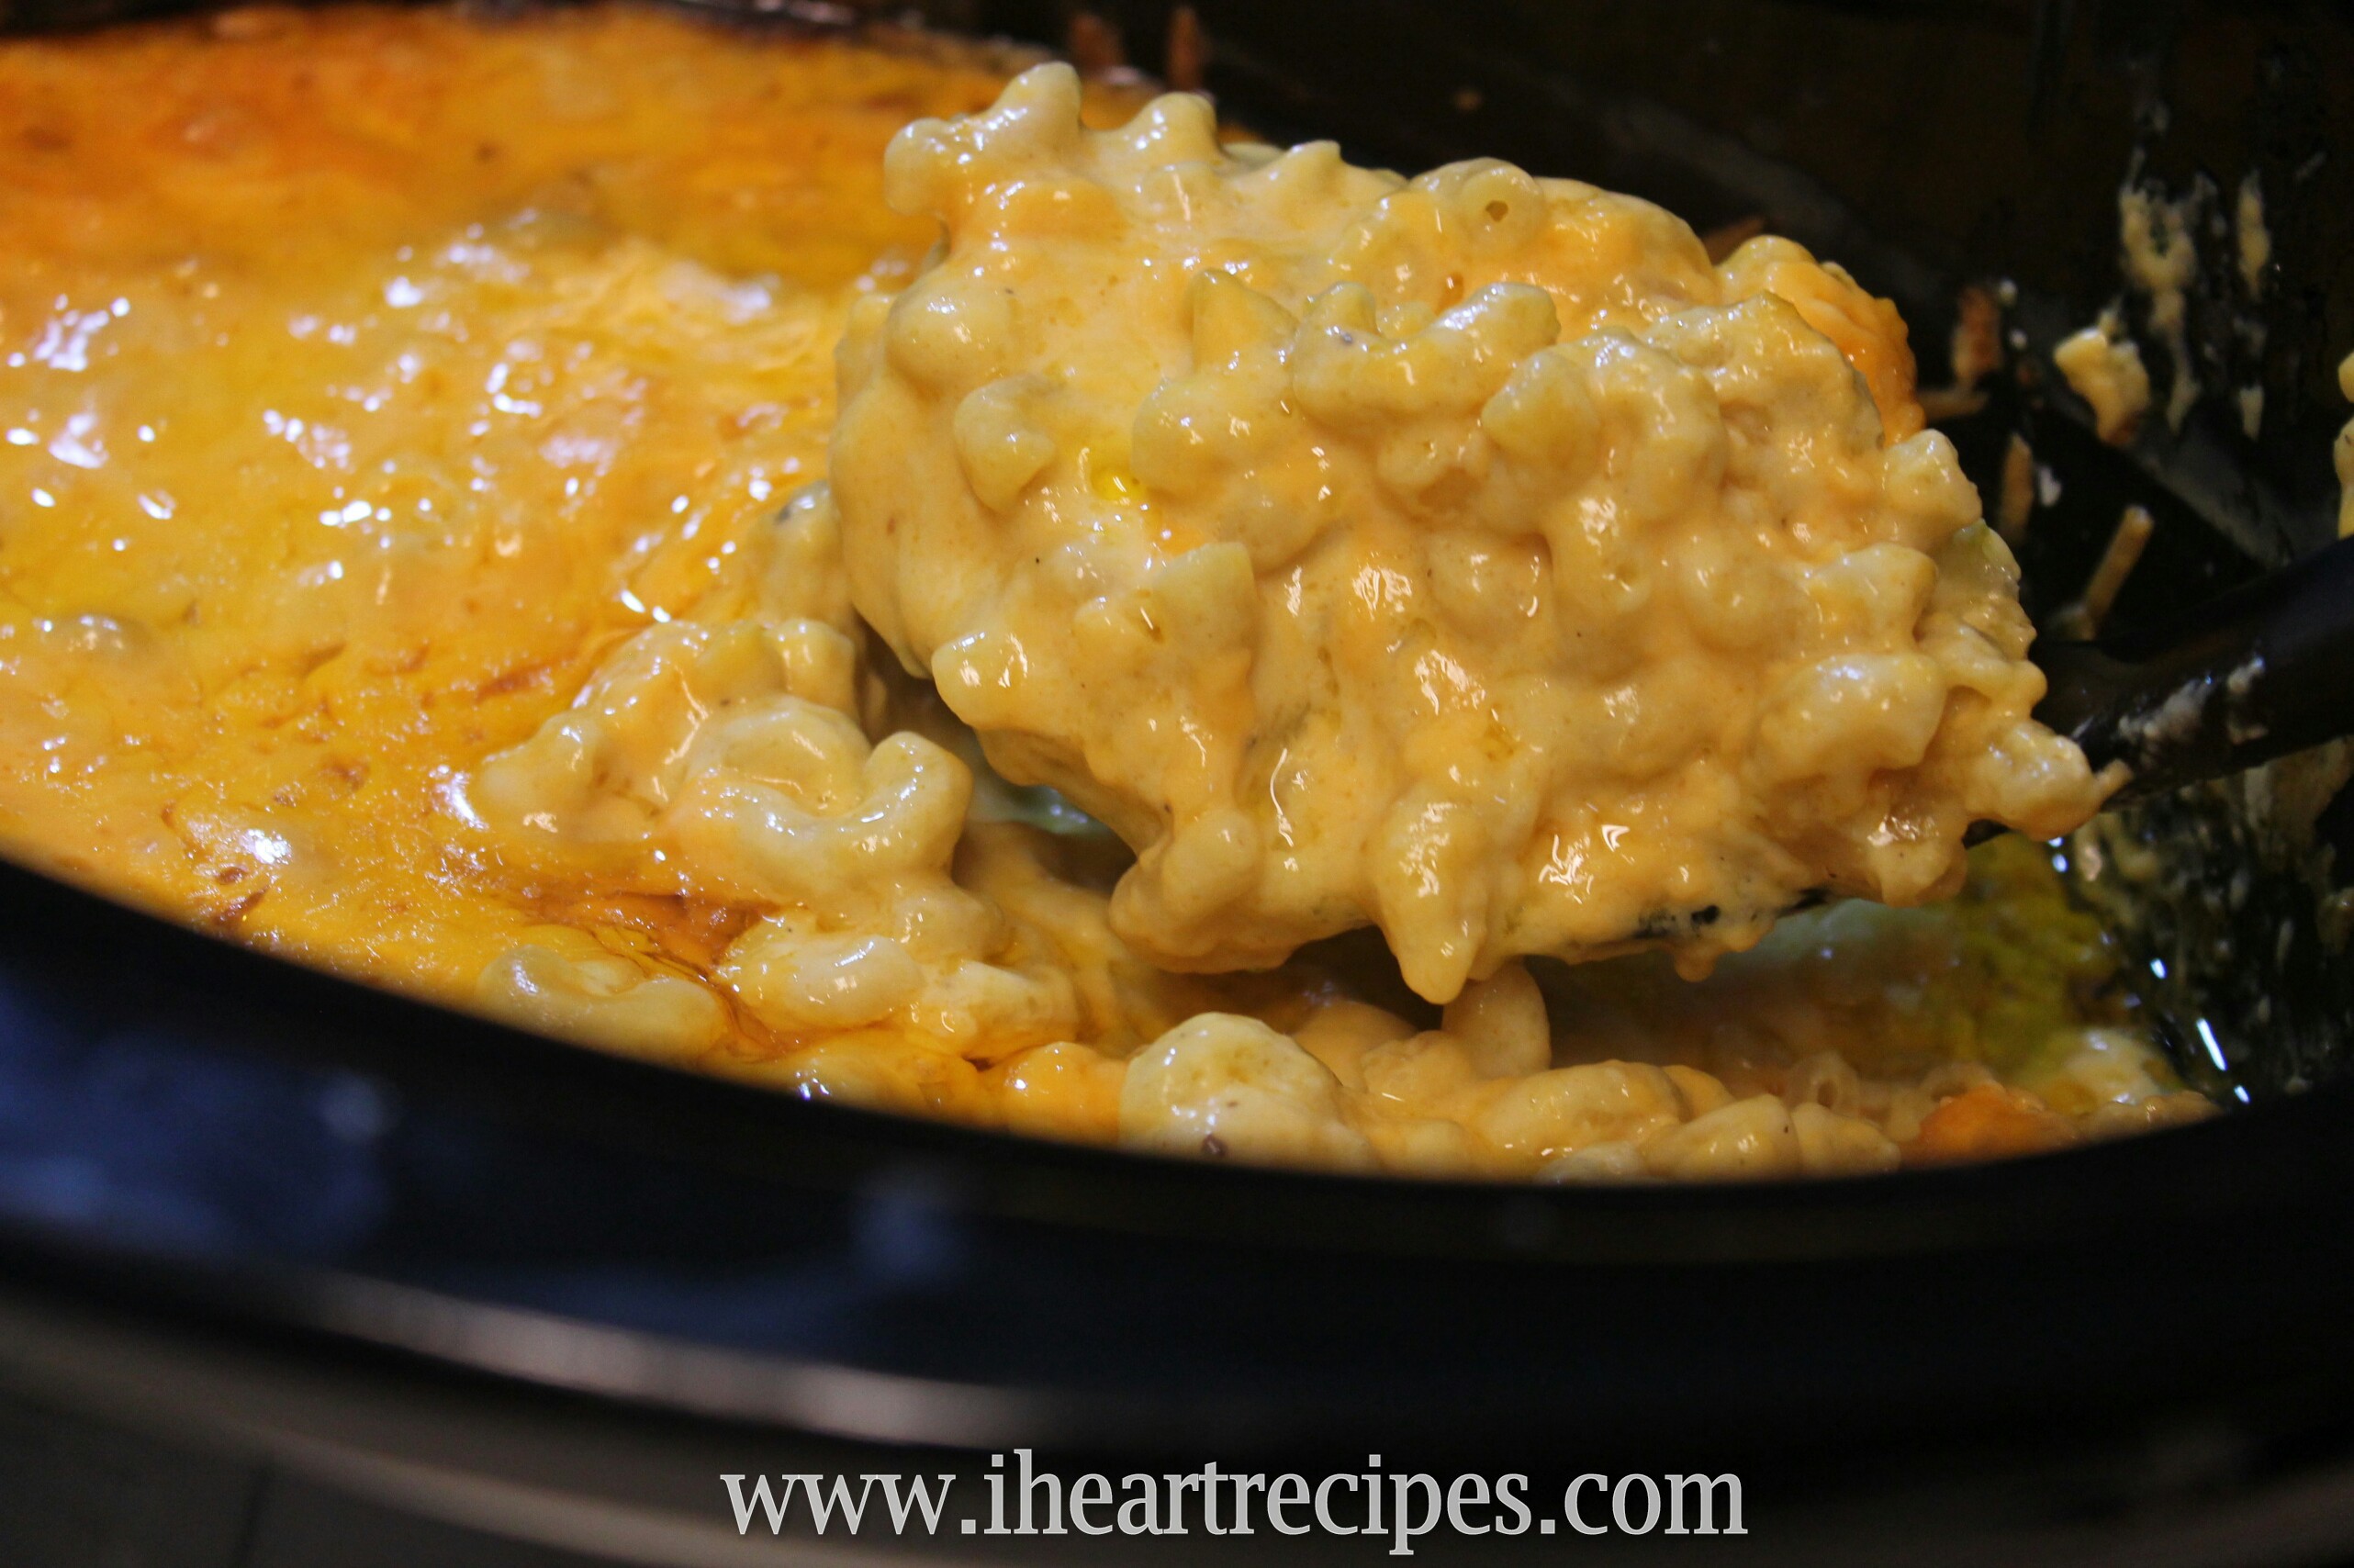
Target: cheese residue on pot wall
point(2343, 454)
point(2104, 367)
point(2161, 261)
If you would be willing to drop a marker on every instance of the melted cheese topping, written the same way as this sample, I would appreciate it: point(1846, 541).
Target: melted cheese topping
point(367, 376)
point(411, 560)
point(1465, 555)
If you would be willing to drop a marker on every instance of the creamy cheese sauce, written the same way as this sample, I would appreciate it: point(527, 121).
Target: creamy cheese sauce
point(1465, 555)
point(414, 559)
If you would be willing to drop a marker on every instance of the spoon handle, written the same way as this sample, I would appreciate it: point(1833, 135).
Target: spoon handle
point(2259, 672)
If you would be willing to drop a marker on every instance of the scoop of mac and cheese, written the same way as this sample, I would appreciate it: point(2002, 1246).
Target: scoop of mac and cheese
point(1465, 555)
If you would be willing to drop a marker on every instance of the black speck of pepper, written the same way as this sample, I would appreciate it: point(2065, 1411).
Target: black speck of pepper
point(1214, 1145)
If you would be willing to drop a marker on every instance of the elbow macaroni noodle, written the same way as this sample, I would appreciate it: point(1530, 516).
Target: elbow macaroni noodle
point(1465, 556)
point(724, 762)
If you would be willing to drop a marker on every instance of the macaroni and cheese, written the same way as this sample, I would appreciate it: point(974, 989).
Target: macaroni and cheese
point(1466, 555)
point(418, 557)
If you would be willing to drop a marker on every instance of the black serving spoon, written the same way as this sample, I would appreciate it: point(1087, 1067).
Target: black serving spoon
point(2257, 673)
point(2263, 670)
